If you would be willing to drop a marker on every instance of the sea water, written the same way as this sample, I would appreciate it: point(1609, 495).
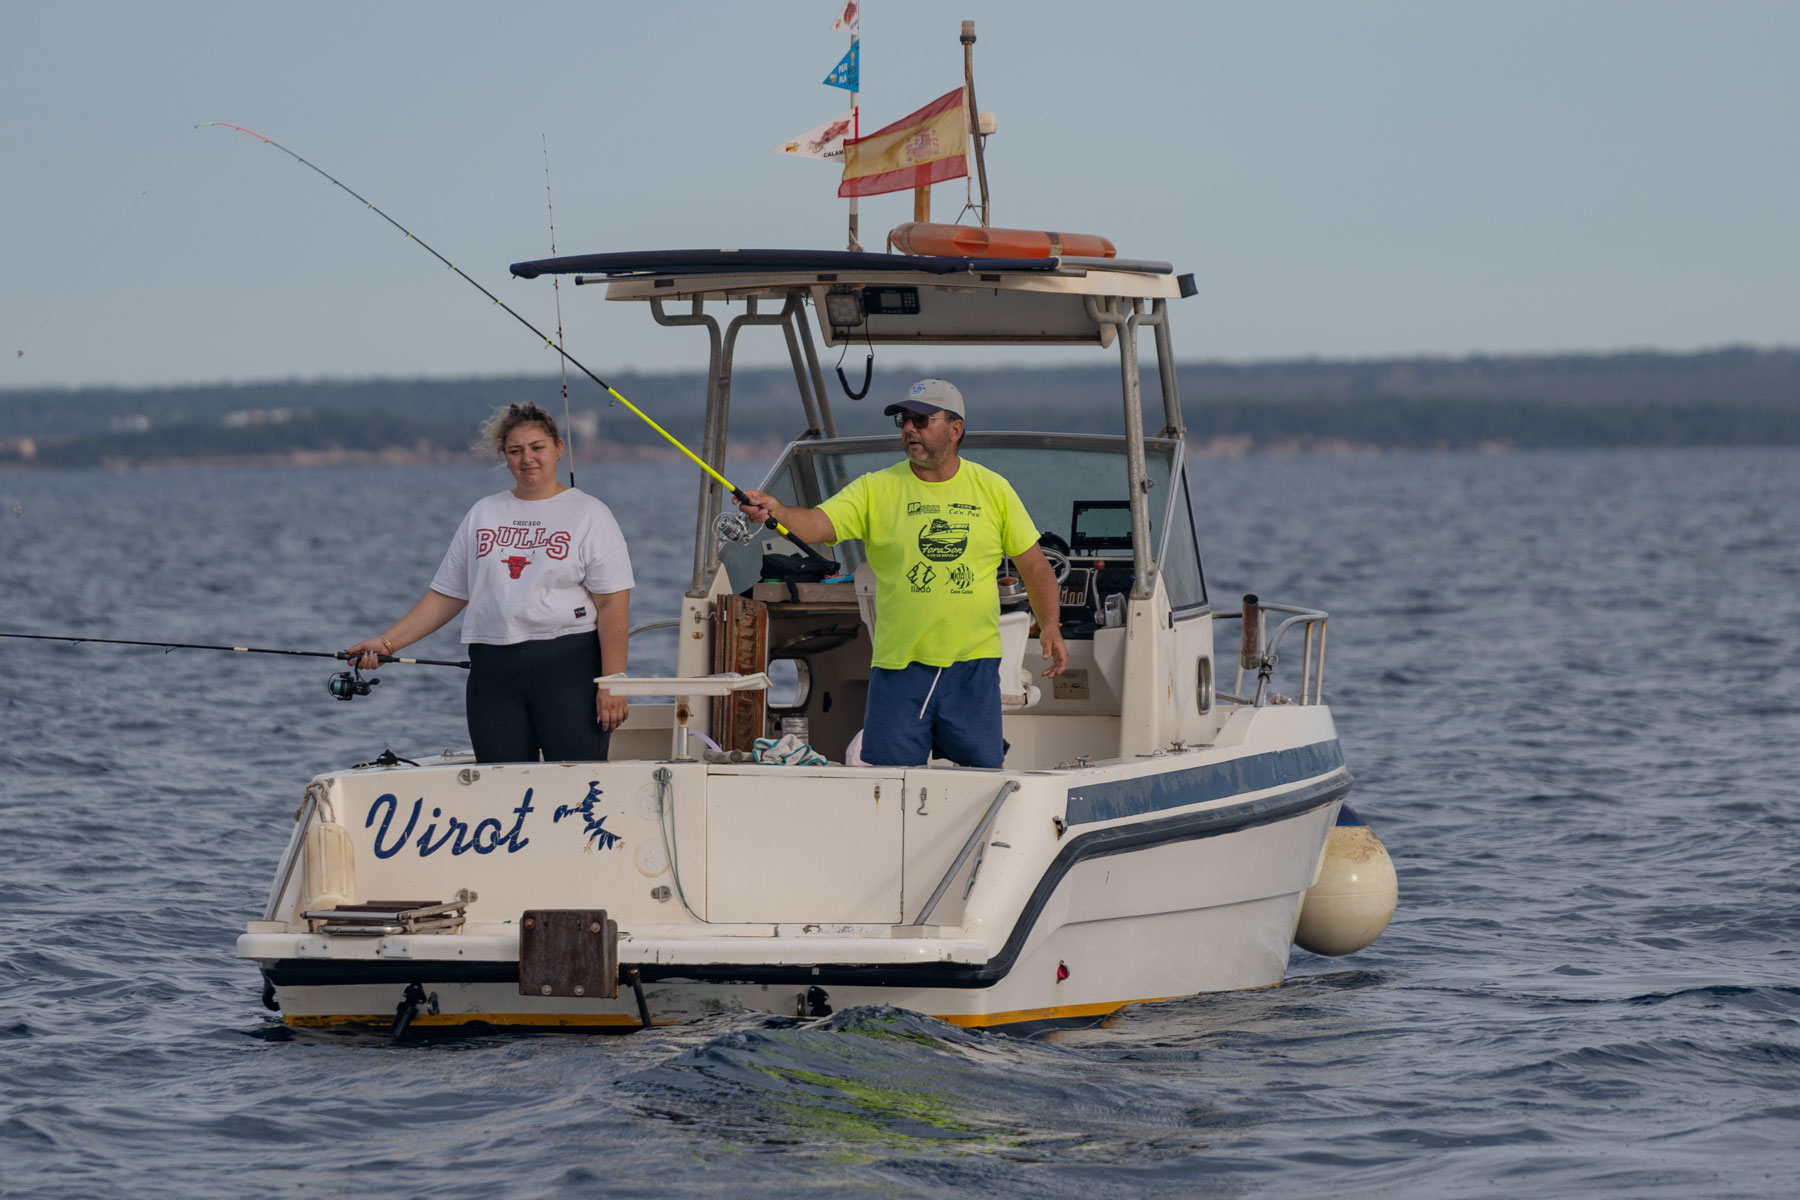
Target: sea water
point(1568, 685)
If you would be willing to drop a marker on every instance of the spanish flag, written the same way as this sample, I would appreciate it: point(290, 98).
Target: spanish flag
point(923, 148)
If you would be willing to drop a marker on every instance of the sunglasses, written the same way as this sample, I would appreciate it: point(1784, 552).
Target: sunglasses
point(916, 420)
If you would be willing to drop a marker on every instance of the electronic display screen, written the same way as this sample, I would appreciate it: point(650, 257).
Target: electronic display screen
point(891, 301)
point(1099, 526)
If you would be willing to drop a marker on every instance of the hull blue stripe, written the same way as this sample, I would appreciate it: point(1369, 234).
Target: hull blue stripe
point(1196, 785)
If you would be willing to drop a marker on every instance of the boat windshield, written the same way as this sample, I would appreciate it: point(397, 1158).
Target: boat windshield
point(1073, 486)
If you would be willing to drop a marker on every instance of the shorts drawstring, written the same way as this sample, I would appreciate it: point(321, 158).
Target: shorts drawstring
point(930, 692)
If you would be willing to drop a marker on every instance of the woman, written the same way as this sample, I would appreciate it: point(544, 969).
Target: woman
point(543, 574)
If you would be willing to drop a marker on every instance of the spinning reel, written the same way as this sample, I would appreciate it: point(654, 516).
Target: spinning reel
point(734, 528)
point(348, 685)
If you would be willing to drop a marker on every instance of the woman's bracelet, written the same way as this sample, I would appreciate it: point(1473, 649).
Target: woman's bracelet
point(382, 638)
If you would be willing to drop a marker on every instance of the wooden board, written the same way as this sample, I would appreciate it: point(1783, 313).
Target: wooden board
point(568, 952)
point(741, 644)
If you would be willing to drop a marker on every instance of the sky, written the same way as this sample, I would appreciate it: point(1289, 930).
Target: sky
point(1345, 180)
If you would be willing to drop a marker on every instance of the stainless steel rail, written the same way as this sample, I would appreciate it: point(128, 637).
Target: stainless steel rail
point(969, 847)
point(801, 324)
point(1158, 319)
point(702, 579)
point(1123, 315)
point(809, 381)
point(1176, 493)
point(1265, 658)
point(317, 801)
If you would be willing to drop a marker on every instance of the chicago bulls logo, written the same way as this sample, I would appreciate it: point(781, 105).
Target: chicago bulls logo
point(515, 564)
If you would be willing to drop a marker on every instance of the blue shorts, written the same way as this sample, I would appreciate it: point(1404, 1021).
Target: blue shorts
point(919, 712)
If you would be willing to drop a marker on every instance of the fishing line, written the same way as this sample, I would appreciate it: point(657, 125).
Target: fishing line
point(556, 287)
point(345, 685)
point(736, 492)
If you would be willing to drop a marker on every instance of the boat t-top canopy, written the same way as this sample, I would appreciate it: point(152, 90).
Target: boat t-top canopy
point(895, 299)
point(716, 262)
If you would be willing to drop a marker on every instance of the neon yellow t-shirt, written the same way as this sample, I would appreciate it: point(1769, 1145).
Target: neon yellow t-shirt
point(935, 549)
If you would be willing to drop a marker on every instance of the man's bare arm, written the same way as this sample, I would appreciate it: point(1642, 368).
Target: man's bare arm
point(1046, 605)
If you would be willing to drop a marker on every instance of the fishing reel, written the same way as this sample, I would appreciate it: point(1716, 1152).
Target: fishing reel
point(348, 685)
point(735, 528)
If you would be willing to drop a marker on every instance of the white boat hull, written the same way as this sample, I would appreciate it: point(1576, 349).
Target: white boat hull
point(800, 891)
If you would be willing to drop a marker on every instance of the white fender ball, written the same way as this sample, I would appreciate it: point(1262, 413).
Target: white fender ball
point(1353, 898)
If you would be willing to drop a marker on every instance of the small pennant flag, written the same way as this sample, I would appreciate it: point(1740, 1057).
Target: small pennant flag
point(844, 74)
point(920, 149)
point(827, 141)
point(850, 20)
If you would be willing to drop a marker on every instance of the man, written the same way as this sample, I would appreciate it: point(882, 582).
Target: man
point(935, 527)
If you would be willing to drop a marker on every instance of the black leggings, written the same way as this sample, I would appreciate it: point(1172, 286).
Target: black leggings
point(536, 696)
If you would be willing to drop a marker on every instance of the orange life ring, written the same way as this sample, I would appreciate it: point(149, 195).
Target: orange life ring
point(972, 241)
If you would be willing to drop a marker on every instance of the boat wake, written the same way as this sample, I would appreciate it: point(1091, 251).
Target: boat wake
point(877, 1081)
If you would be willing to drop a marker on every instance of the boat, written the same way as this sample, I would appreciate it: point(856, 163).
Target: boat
point(1163, 807)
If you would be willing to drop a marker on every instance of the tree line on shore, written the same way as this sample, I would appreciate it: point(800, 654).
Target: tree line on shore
point(1722, 397)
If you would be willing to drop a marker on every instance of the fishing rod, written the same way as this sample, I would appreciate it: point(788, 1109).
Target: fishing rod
point(345, 685)
point(737, 493)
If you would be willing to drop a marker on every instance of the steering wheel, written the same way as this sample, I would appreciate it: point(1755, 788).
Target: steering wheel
point(1056, 553)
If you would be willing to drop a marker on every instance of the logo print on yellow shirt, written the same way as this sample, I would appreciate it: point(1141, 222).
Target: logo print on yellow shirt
point(942, 541)
point(921, 576)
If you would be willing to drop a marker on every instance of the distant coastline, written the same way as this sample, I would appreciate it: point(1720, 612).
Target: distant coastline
point(1732, 396)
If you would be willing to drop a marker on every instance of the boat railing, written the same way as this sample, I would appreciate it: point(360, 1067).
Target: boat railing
point(316, 802)
point(1258, 652)
point(809, 379)
point(975, 846)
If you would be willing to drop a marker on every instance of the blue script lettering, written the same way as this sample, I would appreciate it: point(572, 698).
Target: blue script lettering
point(393, 806)
point(475, 838)
point(515, 843)
point(427, 847)
point(485, 838)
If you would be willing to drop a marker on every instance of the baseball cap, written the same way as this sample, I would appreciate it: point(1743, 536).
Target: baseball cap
point(928, 396)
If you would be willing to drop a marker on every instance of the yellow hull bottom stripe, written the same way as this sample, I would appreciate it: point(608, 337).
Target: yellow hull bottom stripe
point(1021, 1016)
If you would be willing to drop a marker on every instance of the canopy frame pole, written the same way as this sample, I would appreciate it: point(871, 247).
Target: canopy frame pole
point(701, 583)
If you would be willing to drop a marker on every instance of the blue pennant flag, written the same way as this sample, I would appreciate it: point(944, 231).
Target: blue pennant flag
point(844, 74)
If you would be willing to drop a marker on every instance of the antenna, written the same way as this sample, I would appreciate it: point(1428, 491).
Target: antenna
point(974, 114)
point(556, 286)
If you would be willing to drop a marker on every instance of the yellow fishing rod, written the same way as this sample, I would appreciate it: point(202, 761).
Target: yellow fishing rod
point(736, 492)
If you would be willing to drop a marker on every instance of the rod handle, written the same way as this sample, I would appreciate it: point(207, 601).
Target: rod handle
point(737, 493)
point(346, 656)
